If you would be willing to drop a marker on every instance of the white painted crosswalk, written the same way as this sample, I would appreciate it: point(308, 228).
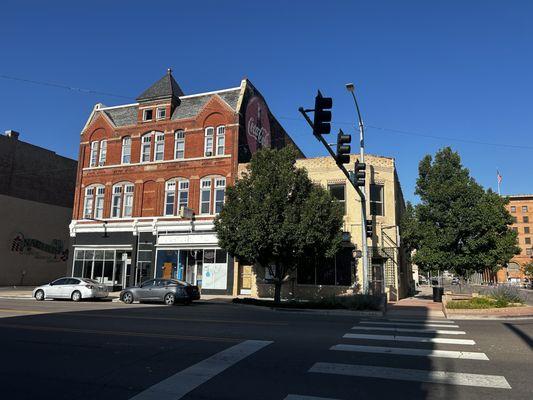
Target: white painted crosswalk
point(420, 334)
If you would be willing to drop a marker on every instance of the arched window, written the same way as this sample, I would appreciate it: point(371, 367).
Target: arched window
point(103, 152)
point(126, 150)
point(122, 200)
point(176, 195)
point(205, 196)
point(220, 191)
point(94, 154)
point(221, 139)
point(212, 189)
point(93, 205)
point(179, 144)
point(159, 153)
point(146, 147)
point(208, 141)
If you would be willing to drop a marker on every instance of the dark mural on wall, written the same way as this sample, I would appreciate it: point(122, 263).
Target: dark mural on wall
point(259, 128)
point(50, 252)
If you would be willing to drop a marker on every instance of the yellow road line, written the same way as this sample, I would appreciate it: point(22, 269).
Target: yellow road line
point(120, 333)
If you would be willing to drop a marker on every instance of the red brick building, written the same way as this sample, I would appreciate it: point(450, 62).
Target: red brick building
point(144, 167)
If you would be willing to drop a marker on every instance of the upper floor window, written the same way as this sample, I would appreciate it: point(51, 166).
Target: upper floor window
point(220, 190)
point(161, 112)
point(376, 199)
point(526, 229)
point(338, 191)
point(94, 154)
point(93, 205)
point(159, 153)
point(176, 196)
point(208, 143)
point(524, 208)
point(103, 152)
point(526, 219)
point(148, 115)
point(146, 146)
point(514, 219)
point(205, 196)
point(527, 240)
point(513, 209)
point(179, 145)
point(221, 139)
point(122, 200)
point(126, 150)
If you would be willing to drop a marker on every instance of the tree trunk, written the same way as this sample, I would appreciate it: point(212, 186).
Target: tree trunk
point(277, 291)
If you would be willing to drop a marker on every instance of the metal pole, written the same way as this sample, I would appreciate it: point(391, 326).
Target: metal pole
point(363, 200)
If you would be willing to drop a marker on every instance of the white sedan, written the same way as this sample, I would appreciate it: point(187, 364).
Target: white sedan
point(71, 288)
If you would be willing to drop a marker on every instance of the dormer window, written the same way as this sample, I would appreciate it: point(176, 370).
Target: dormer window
point(148, 115)
point(161, 112)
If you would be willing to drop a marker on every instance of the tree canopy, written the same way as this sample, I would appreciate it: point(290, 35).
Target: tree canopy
point(274, 216)
point(458, 225)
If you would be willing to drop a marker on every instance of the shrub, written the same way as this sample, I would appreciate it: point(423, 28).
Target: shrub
point(507, 294)
point(476, 302)
point(351, 302)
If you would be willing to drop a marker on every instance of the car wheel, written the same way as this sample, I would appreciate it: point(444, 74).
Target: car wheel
point(39, 295)
point(127, 298)
point(76, 296)
point(169, 299)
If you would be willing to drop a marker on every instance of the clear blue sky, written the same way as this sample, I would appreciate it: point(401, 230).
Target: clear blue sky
point(456, 69)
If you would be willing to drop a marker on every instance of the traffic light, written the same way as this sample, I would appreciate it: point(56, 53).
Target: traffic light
point(322, 120)
point(343, 147)
point(368, 227)
point(360, 173)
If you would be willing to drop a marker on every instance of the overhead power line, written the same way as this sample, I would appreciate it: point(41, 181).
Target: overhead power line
point(380, 128)
point(61, 86)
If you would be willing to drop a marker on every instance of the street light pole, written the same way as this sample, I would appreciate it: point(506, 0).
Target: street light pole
point(351, 88)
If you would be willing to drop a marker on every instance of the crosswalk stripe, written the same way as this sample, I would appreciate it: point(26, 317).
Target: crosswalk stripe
point(421, 330)
point(419, 320)
point(181, 383)
point(418, 339)
point(300, 397)
point(466, 355)
point(409, 324)
point(416, 375)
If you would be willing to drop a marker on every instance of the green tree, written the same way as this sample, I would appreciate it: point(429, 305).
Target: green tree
point(528, 269)
point(274, 216)
point(458, 225)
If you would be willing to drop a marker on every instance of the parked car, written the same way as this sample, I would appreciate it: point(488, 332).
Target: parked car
point(72, 288)
point(168, 291)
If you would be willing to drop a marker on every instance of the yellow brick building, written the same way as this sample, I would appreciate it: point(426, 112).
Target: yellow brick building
point(388, 269)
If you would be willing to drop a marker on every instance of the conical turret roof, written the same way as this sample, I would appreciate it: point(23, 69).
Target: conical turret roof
point(164, 88)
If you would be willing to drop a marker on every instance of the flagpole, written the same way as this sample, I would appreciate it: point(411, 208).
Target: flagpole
point(498, 179)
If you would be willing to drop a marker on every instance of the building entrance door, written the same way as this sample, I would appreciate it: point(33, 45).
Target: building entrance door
point(245, 279)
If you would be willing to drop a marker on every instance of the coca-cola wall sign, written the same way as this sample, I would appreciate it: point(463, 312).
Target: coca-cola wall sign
point(257, 124)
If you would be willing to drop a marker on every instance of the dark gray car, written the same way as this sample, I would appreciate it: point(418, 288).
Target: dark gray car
point(168, 291)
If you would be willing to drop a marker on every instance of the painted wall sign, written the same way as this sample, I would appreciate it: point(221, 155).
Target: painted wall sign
point(257, 124)
point(55, 251)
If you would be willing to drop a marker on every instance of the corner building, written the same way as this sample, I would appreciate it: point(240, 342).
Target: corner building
point(152, 177)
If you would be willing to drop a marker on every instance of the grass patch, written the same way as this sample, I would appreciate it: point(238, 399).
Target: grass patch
point(480, 303)
point(354, 302)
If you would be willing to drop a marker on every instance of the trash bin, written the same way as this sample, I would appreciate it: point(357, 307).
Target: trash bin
point(438, 291)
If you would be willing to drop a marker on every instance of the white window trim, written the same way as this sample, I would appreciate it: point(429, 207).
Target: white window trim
point(128, 138)
point(93, 158)
point(145, 112)
point(126, 193)
point(221, 134)
point(167, 190)
point(102, 152)
point(212, 137)
point(159, 138)
point(220, 184)
point(177, 141)
point(202, 189)
point(149, 136)
point(158, 113)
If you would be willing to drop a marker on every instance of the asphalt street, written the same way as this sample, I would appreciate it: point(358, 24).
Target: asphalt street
point(104, 350)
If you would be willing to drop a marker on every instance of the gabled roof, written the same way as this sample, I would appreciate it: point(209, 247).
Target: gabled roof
point(190, 106)
point(166, 87)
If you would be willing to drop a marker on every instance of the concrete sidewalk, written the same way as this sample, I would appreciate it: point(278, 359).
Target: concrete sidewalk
point(419, 306)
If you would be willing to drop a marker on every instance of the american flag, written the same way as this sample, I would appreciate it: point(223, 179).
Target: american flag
point(499, 176)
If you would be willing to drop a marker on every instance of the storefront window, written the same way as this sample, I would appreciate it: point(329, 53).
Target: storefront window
point(334, 271)
point(105, 266)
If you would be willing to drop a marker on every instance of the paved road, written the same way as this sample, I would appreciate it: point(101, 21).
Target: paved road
point(95, 350)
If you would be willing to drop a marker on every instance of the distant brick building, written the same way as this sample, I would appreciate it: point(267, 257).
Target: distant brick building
point(36, 193)
point(145, 167)
point(521, 209)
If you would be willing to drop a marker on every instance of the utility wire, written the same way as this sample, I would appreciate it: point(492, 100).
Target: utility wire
point(380, 128)
point(60, 86)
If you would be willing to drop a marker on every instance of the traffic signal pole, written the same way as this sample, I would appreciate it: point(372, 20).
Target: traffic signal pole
point(352, 178)
point(363, 190)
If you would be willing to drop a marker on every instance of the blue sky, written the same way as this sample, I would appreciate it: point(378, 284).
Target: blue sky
point(428, 74)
